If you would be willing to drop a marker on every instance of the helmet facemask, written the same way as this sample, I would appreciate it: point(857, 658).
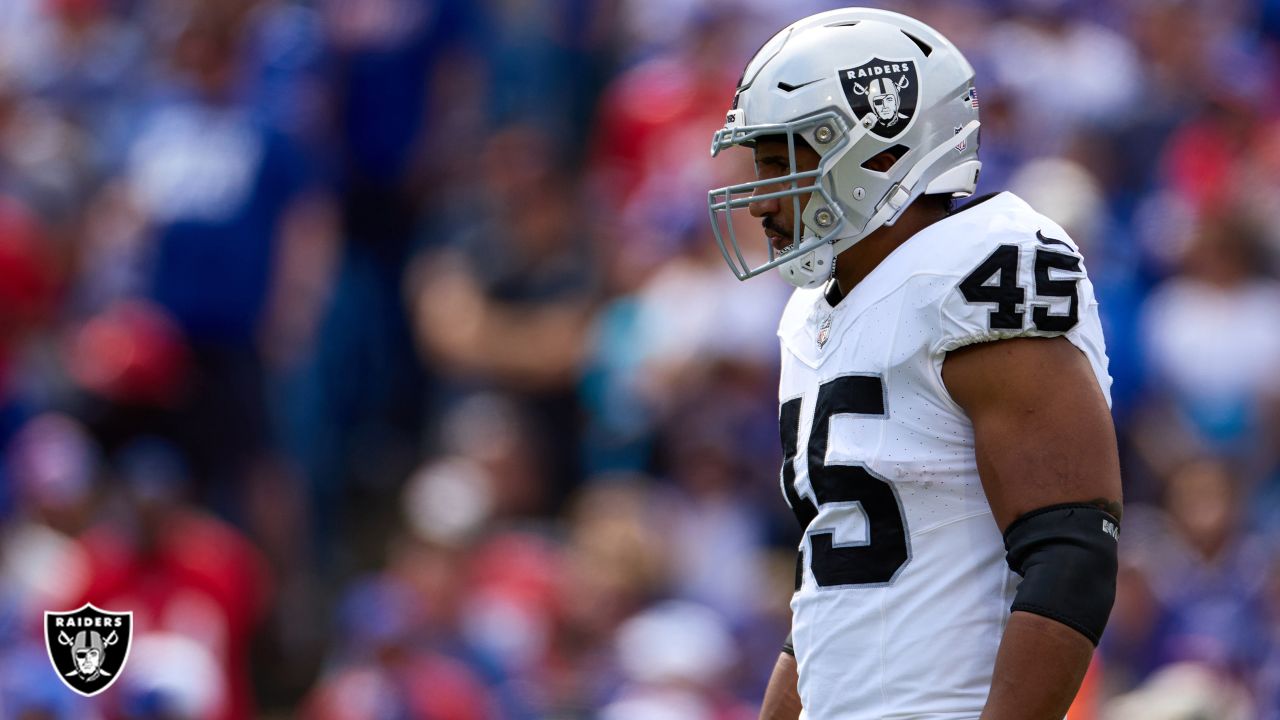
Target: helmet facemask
point(816, 216)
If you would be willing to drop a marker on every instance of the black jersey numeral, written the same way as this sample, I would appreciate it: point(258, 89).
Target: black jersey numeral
point(886, 552)
point(1005, 294)
point(995, 281)
point(1048, 287)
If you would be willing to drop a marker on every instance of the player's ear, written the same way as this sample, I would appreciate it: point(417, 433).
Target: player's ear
point(881, 162)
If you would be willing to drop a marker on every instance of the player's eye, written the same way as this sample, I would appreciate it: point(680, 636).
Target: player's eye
point(772, 167)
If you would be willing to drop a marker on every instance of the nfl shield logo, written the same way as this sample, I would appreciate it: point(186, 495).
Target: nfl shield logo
point(824, 332)
point(88, 647)
point(883, 95)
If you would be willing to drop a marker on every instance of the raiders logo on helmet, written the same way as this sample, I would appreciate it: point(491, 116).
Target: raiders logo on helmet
point(883, 95)
point(88, 647)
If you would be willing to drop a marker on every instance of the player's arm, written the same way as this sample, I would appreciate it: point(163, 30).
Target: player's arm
point(1046, 452)
point(782, 698)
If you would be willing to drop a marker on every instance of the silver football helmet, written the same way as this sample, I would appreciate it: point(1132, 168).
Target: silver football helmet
point(852, 83)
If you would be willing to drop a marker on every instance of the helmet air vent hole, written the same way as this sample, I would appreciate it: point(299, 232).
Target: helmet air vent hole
point(924, 46)
point(897, 151)
point(788, 87)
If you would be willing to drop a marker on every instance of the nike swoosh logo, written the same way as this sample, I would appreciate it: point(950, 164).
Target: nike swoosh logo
point(1050, 241)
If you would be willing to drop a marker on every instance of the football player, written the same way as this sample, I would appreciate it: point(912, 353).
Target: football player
point(949, 450)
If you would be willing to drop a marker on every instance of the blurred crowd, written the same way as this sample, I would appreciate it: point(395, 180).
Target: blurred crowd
point(377, 355)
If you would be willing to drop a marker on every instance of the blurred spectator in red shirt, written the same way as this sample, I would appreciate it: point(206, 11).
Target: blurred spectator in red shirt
point(179, 569)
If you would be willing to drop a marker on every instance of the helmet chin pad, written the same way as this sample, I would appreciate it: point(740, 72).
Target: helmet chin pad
point(810, 269)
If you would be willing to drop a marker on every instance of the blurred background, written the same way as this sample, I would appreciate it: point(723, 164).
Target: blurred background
point(376, 353)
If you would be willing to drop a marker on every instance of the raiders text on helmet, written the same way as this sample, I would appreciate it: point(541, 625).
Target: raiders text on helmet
point(852, 84)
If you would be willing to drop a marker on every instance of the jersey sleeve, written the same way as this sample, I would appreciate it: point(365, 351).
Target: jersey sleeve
point(1012, 287)
point(1026, 280)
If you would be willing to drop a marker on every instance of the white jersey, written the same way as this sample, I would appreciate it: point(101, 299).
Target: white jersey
point(902, 587)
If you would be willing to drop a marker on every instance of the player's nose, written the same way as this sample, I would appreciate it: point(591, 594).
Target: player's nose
point(765, 207)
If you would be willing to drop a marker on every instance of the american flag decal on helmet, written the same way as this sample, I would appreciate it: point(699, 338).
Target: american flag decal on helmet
point(972, 97)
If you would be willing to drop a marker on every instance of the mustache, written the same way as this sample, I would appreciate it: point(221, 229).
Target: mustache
point(770, 226)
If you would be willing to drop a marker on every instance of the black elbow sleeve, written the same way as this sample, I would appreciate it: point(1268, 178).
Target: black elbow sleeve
point(1066, 555)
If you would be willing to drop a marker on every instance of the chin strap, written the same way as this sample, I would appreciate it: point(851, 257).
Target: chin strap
point(901, 194)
